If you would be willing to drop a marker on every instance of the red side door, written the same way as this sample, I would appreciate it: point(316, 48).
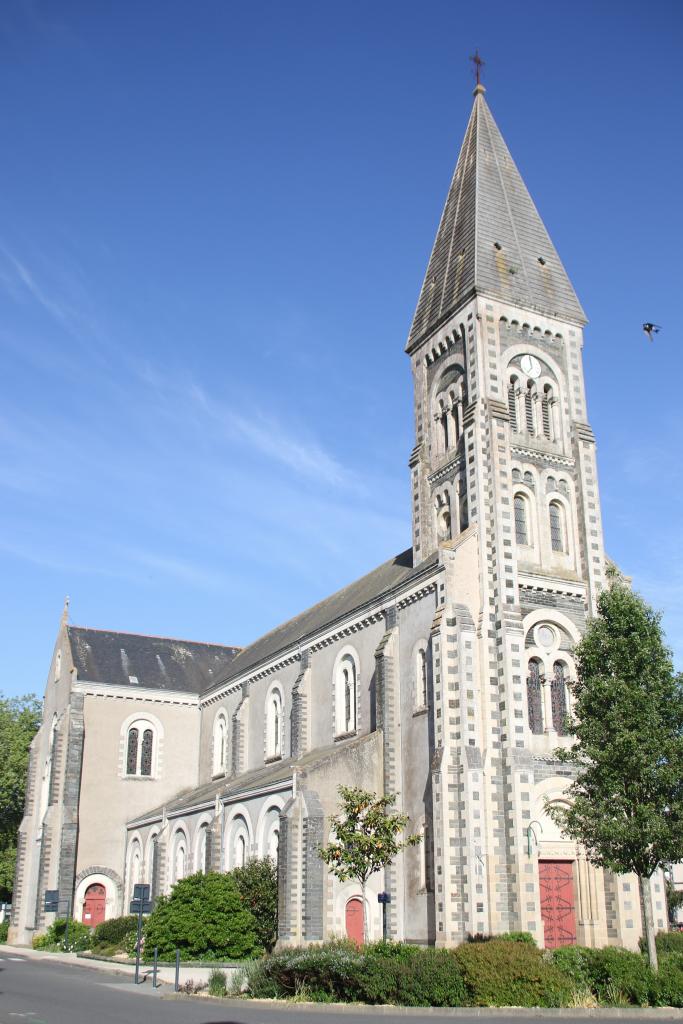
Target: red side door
point(94, 905)
point(556, 883)
point(354, 920)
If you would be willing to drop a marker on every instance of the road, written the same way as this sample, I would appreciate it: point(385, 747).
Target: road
point(39, 992)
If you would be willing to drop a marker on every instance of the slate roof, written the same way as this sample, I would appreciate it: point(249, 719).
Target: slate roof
point(488, 203)
point(248, 782)
point(361, 592)
point(129, 659)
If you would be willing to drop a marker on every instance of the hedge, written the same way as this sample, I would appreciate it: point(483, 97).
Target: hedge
point(618, 977)
point(667, 942)
point(113, 934)
point(507, 973)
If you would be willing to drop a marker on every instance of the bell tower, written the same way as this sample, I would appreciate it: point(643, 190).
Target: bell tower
point(504, 493)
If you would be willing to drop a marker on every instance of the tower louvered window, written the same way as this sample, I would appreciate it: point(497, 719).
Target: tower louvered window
point(558, 694)
point(534, 697)
point(146, 752)
point(556, 531)
point(529, 410)
point(132, 752)
point(521, 528)
point(545, 413)
point(512, 404)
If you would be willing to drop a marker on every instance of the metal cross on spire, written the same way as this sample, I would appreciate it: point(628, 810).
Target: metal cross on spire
point(478, 65)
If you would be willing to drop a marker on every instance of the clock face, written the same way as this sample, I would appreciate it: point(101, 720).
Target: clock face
point(531, 366)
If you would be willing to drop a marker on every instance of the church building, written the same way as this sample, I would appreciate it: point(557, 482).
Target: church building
point(443, 676)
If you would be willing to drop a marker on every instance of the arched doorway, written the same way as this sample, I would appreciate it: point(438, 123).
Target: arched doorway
point(354, 920)
point(94, 903)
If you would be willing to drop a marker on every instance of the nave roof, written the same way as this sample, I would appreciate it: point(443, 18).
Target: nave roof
point(160, 663)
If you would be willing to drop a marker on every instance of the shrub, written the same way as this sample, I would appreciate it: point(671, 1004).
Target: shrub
point(670, 979)
point(614, 976)
point(4, 930)
point(517, 937)
point(510, 974)
point(667, 942)
point(217, 983)
point(503, 937)
point(574, 961)
point(114, 933)
point(80, 937)
point(205, 919)
point(411, 977)
point(618, 976)
point(257, 885)
point(327, 971)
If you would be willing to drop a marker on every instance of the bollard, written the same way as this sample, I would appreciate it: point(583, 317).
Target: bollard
point(177, 969)
point(154, 970)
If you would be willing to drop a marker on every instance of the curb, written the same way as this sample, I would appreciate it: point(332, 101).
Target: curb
point(604, 1012)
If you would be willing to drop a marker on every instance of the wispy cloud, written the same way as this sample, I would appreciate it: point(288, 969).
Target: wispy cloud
point(272, 439)
point(175, 568)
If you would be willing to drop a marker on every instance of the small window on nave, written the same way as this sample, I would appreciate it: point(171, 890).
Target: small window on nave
point(346, 696)
point(140, 750)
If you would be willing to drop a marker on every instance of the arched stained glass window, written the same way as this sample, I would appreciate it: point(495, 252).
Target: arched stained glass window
point(345, 696)
point(140, 750)
point(274, 725)
point(534, 696)
point(556, 526)
point(521, 526)
point(132, 752)
point(422, 666)
point(146, 753)
point(558, 692)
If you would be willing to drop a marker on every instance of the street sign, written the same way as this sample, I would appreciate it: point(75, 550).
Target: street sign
point(51, 901)
point(141, 906)
point(141, 892)
point(383, 897)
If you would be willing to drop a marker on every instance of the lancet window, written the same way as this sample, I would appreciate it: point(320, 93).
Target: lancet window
point(521, 520)
point(274, 725)
point(559, 703)
point(557, 526)
point(346, 695)
point(534, 696)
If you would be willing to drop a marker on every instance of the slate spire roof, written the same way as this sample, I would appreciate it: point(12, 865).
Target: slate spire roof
point(491, 239)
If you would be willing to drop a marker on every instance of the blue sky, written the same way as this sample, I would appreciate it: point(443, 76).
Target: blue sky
point(214, 222)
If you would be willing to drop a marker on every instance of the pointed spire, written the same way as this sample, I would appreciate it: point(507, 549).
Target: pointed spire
point(491, 239)
point(65, 613)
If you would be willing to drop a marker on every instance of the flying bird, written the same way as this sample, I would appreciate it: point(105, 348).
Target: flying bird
point(651, 329)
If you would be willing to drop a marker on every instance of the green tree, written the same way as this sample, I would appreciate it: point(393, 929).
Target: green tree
point(204, 918)
point(257, 885)
point(627, 798)
point(367, 838)
point(19, 720)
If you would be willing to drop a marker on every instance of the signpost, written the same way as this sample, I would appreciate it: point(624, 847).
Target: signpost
point(384, 898)
point(51, 906)
point(140, 904)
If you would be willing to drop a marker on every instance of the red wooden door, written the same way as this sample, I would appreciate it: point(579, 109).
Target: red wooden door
point(556, 883)
point(94, 904)
point(354, 920)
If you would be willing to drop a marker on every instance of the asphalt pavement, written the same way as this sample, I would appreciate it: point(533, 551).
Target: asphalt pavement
point(40, 992)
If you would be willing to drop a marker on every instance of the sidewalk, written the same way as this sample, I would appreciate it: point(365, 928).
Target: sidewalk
point(165, 973)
